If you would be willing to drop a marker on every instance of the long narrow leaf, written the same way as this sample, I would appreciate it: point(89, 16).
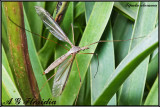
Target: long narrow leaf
point(152, 98)
point(92, 33)
point(144, 24)
point(18, 52)
point(106, 66)
point(35, 23)
point(9, 91)
point(129, 9)
point(37, 68)
point(126, 67)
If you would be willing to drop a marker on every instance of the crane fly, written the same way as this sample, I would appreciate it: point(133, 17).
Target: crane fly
point(64, 63)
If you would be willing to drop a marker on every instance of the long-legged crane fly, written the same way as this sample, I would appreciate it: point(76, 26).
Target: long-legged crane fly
point(64, 63)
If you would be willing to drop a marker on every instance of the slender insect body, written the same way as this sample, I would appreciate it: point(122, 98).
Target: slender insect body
point(73, 50)
point(61, 76)
point(64, 63)
point(57, 62)
point(76, 49)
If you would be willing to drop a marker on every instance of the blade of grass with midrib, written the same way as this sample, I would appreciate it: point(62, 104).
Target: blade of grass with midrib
point(18, 52)
point(9, 89)
point(93, 31)
point(152, 98)
point(144, 24)
point(36, 65)
point(106, 67)
point(126, 67)
point(35, 22)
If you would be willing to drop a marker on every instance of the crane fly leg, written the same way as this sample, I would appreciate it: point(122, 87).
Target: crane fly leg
point(46, 82)
point(97, 59)
point(80, 80)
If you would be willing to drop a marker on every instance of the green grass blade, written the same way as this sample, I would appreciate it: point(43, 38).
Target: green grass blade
point(18, 57)
point(50, 6)
point(127, 66)
point(122, 30)
point(9, 89)
point(36, 65)
point(152, 98)
point(6, 64)
point(35, 22)
point(127, 9)
point(152, 70)
point(106, 67)
point(133, 88)
point(95, 23)
point(4, 31)
point(88, 9)
point(79, 9)
point(84, 97)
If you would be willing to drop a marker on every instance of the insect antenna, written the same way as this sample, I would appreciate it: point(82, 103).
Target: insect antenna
point(116, 40)
point(97, 65)
point(36, 34)
point(108, 41)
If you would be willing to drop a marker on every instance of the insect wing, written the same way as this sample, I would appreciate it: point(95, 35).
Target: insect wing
point(53, 27)
point(61, 77)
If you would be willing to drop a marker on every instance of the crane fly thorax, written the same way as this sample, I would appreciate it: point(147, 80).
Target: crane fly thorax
point(75, 49)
